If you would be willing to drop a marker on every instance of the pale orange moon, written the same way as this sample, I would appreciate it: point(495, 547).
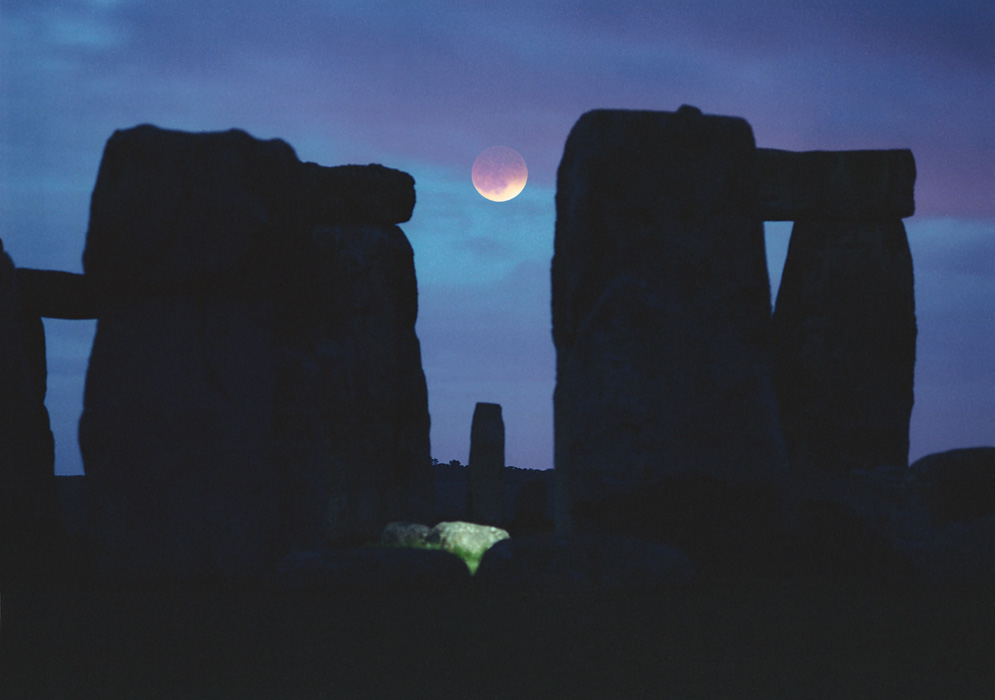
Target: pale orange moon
point(499, 173)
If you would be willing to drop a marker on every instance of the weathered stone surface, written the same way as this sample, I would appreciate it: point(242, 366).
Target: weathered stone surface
point(485, 502)
point(255, 382)
point(373, 569)
point(661, 306)
point(852, 185)
point(593, 562)
point(28, 500)
point(471, 539)
point(957, 485)
point(843, 344)
point(399, 534)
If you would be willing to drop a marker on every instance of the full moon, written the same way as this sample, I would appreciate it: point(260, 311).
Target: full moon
point(499, 173)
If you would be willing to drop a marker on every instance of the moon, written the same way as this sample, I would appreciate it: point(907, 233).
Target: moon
point(499, 173)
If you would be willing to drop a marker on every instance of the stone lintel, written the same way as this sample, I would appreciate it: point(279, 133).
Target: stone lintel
point(357, 194)
point(55, 294)
point(851, 185)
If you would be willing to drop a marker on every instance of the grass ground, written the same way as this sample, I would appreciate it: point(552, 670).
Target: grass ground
point(745, 642)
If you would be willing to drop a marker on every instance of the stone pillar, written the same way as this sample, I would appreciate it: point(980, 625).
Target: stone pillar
point(255, 382)
point(844, 327)
point(661, 305)
point(485, 500)
point(29, 525)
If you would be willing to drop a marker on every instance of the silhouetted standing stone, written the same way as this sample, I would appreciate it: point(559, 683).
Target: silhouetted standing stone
point(486, 468)
point(661, 306)
point(255, 382)
point(351, 404)
point(844, 326)
point(28, 498)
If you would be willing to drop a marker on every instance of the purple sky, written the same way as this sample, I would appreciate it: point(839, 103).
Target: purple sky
point(425, 86)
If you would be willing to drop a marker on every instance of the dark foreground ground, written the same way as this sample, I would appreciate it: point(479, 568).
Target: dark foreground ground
point(752, 641)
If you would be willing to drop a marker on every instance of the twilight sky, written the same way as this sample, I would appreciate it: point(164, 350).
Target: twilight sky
point(425, 86)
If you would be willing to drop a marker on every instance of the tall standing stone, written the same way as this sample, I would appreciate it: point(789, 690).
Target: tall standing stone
point(351, 405)
point(255, 382)
point(661, 306)
point(28, 499)
point(844, 326)
point(486, 468)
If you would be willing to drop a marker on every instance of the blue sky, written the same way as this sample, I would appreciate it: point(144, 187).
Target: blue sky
point(426, 86)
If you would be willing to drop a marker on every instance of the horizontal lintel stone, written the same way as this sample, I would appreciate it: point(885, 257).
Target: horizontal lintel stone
point(369, 194)
point(56, 294)
point(852, 185)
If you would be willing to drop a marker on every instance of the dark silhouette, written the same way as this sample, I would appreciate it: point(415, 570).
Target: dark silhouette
point(843, 333)
point(485, 497)
point(661, 305)
point(255, 384)
point(29, 523)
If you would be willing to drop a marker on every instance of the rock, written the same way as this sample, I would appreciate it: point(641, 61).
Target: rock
point(957, 486)
point(958, 555)
point(28, 501)
point(841, 546)
point(211, 204)
point(485, 472)
point(470, 539)
point(373, 569)
point(404, 534)
point(604, 563)
point(851, 185)
point(351, 402)
point(729, 530)
point(205, 206)
point(365, 194)
point(661, 305)
point(255, 385)
point(843, 344)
